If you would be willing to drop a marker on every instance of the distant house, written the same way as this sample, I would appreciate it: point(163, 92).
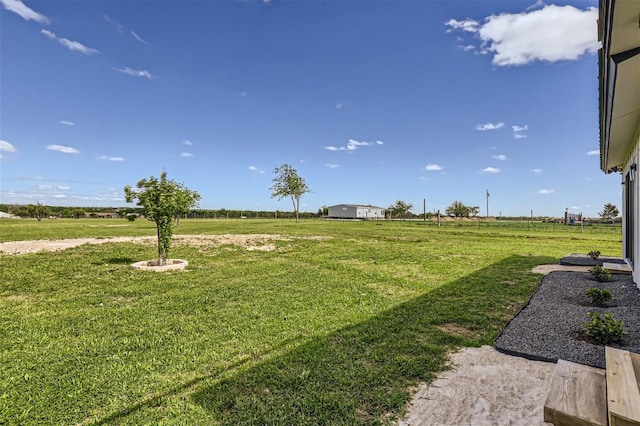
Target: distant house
point(619, 66)
point(355, 211)
point(4, 215)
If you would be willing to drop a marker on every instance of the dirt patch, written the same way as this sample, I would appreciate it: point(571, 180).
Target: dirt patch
point(484, 387)
point(456, 330)
point(262, 242)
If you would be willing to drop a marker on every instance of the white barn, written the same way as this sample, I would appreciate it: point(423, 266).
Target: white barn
point(619, 78)
point(356, 211)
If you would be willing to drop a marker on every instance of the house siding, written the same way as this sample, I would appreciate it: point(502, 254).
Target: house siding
point(631, 206)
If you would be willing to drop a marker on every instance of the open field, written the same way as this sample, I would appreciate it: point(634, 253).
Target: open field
point(334, 324)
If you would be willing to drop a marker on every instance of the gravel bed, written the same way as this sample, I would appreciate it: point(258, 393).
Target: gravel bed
point(549, 327)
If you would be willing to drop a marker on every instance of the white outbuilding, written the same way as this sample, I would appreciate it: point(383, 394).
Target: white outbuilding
point(356, 211)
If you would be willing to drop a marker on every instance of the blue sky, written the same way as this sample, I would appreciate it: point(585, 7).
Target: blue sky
point(371, 101)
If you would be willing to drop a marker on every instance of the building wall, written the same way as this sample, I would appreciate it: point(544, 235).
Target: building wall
point(631, 207)
point(349, 211)
point(371, 213)
point(342, 211)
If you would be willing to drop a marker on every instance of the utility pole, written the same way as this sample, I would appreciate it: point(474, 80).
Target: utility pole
point(487, 203)
point(424, 209)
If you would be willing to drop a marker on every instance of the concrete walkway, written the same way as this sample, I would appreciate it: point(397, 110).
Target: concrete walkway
point(545, 269)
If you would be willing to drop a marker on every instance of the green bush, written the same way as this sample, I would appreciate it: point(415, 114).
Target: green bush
point(594, 254)
point(604, 329)
point(599, 296)
point(600, 274)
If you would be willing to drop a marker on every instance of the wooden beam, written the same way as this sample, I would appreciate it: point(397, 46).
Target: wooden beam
point(577, 396)
point(623, 388)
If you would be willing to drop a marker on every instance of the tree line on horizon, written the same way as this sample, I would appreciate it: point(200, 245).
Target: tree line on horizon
point(287, 183)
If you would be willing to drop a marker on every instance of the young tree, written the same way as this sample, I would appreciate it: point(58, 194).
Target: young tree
point(609, 212)
point(400, 209)
point(161, 200)
point(288, 183)
point(473, 211)
point(457, 209)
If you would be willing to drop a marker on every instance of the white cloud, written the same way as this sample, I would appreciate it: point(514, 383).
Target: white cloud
point(352, 145)
point(107, 158)
point(137, 37)
point(44, 187)
point(134, 72)
point(338, 106)
point(63, 149)
point(70, 44)
point(187, 142)
point(186, 154)
point(67, 123)
point(6, 147)
point(468, 25)
point(255, 169)
point(594, 152)
point(332, 165)
point(537, 4)
point(64, 188)
point(433, 167)
point(500, 157)
point(19, 8)
point(119, 27)
point(552, 33)
point(546, 191)
point(490, 170)
point(489, 126)
point(517, 131)
point(536, 171)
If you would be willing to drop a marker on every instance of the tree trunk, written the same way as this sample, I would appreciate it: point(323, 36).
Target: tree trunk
point(296, 204)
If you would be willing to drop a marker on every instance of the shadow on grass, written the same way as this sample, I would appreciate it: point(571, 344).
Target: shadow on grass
point(364, 374)
point(120, 260)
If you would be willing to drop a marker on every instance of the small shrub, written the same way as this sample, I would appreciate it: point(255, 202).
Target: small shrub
point(604, 329)
point(599, 296)
point(594, 254)
point(600, 274)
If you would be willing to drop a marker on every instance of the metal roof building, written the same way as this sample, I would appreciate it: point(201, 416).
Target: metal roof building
point(356, 211)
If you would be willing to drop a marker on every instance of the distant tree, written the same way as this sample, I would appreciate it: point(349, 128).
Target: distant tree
point(161, 200)
point(184, 202)
point(288, 183)
point(400, 209)
point(609, 212)
point(38, 211)
point(473, 211)
point(458, 209)
point(77, 213)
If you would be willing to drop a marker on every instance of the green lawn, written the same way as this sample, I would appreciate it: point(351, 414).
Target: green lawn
point(332, 330)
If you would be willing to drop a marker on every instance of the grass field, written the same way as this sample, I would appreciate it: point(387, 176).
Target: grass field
point(330, 330)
